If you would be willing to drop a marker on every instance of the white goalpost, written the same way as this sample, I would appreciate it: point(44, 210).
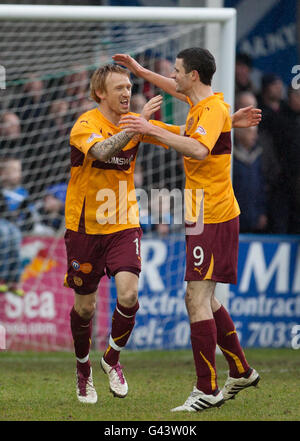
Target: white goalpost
point(47, 56)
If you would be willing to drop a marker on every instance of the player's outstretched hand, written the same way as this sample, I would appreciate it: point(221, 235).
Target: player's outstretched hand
point(135, 124)
point(151, 107)
point(246, 117)
point(127, 61)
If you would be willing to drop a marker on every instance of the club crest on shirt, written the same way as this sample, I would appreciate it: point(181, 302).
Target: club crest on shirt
point(93, 136)
point(190, 123)
point(201, 130)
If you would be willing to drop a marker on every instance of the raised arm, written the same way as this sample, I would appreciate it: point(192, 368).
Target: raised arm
point(164, 83)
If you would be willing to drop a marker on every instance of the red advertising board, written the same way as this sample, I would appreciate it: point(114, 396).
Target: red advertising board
point(40, 320)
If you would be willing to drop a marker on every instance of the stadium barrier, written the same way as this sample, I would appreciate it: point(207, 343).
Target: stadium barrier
point(265, 303)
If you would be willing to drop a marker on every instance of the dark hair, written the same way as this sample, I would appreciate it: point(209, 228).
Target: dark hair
point(201, 60)
point(243, 58)
point(268, 79)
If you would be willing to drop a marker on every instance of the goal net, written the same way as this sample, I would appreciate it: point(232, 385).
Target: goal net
point(46, 64)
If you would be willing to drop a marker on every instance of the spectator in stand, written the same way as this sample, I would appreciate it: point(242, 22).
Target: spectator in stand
point(15, 145)
point(272, 129)
point(57, 144)
point(291, 114)
point(10, 133)
point(272, 93)
point(46, 158)
point(34, 146)
point(248, 181)
point(85, 105)
point(10, 252)
point(138, 100)
point(34, 105)
point(76, 86)
point(77, 82)
point(245, 99)
point(243, 69)
point(15, 194)
point(59, 110)
point(49, 220)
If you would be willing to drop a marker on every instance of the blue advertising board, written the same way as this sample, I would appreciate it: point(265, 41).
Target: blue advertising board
point(267, 31)
point(161, 321)
point(264, 305)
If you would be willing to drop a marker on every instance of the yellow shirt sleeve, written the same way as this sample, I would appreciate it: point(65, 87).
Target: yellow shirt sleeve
point(210, 125)
point(170, 127)
point(84, 135)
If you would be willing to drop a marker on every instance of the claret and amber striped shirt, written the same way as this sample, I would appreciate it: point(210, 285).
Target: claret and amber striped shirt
point(101, 195)
point(209, 122)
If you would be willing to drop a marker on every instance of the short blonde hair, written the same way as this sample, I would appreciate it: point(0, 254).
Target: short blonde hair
point(98, 80)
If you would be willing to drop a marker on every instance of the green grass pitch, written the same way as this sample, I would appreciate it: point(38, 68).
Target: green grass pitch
point(41, 387)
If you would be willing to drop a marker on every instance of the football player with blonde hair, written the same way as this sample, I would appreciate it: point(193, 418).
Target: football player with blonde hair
point(103, 237)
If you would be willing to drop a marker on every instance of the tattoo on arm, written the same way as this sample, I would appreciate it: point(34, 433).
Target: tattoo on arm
point(106, 149)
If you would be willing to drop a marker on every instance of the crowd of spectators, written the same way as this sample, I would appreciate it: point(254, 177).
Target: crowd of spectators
point(266, 165)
